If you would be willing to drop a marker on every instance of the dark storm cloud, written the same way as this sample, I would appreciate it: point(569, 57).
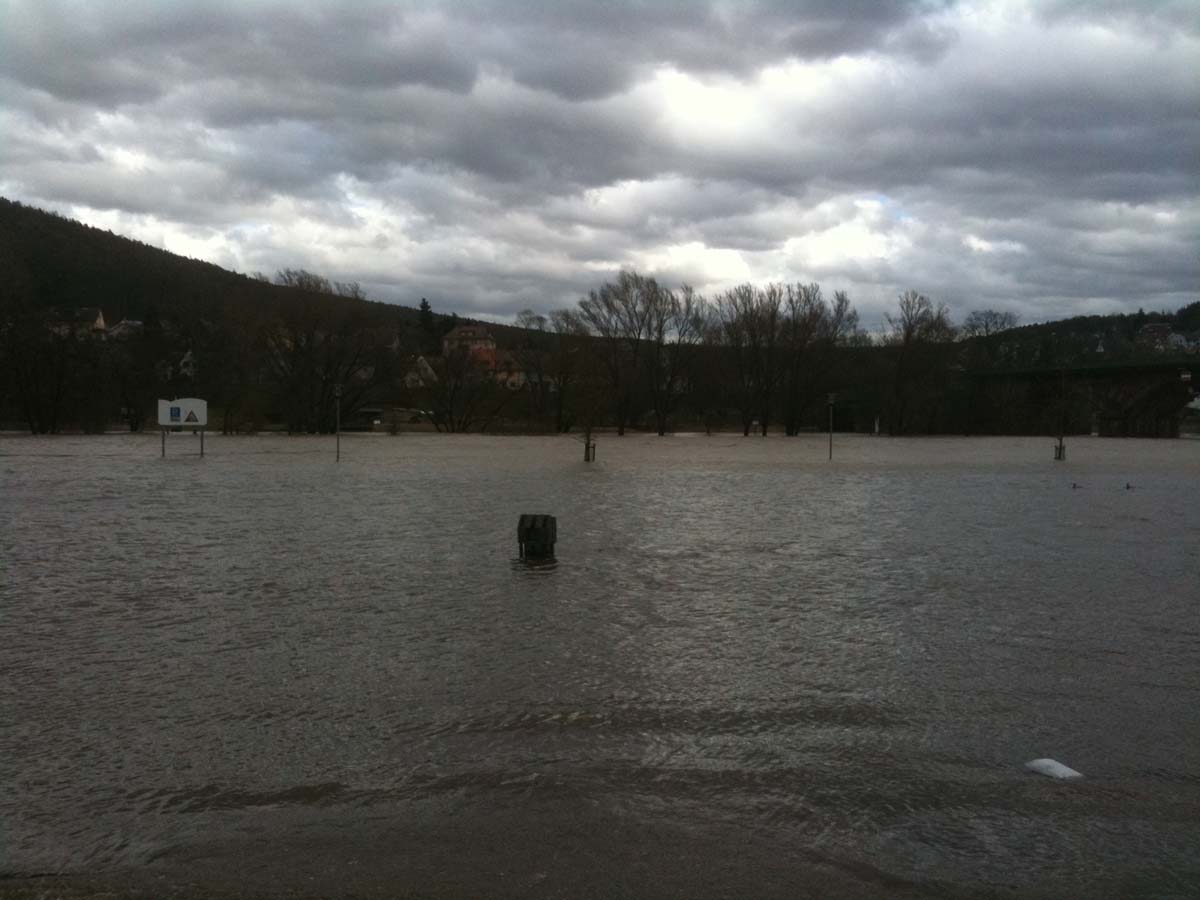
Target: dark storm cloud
point(500, 155)
point(134, 52)
point(586, 50)
point(111, 55)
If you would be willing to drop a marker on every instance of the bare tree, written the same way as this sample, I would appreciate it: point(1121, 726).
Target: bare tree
point(749, 320)
point(766, 328)
point(916, 329)
point(534, 352)
point(569, 335)
point(734, 309)
point(804, 313)
point(304, 280)
point(677, 325)
point(618, 315)
point(813, 328)
point(918, 320)
point(841, 322)
point(319, 342)
point(465, 394)
point(987, 322)
point(983, 330)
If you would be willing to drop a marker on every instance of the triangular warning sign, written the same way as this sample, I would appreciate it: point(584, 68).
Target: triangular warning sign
point(191, 416)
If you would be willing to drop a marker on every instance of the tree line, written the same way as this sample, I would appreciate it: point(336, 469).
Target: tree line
point(632, 353)
point(635, 353)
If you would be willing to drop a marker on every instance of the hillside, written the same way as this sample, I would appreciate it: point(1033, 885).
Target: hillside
point(1114, 338)
point(271, 355)
point(262, 352)
point(53, 261)
point(58, 262)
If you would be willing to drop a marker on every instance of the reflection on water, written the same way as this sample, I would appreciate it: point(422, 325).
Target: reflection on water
point(837, 668)
point(534, 565)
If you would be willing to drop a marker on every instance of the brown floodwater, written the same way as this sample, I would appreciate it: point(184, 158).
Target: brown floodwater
point(750, 671)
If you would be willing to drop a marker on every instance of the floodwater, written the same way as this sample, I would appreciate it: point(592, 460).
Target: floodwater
point(751, 672)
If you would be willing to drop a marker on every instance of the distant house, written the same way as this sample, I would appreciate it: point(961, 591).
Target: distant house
point(509, 372)
point(474, 340)
point(80, 321)
point(480, 348)
point(1159, 337)
point(1154, 336)
point(420, 375)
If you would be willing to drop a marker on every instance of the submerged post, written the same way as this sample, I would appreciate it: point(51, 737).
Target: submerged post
point(536, 534)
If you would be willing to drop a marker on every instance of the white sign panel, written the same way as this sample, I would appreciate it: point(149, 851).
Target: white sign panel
point(186, 412)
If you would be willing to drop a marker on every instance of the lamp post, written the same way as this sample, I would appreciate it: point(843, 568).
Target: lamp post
point(337, 418)
point(832, 399)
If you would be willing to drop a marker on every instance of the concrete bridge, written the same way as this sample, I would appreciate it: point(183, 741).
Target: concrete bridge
point(1137, 399)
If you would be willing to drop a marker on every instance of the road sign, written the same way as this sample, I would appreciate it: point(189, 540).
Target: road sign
point(190, 412)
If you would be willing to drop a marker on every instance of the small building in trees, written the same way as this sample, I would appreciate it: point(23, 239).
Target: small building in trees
point(82, 321)
point(474, 340)
point(1160, 337)
point(509, 371)
point(420, 375)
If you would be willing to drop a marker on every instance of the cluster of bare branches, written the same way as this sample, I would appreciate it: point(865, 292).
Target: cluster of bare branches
point(765, 355)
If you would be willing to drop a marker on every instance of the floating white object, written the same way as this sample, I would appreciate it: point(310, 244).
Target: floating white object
point(1052, 768)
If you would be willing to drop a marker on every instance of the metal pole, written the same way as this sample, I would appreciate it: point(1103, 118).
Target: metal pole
point(337, 396)
point(832, 397)
point(1061, 453)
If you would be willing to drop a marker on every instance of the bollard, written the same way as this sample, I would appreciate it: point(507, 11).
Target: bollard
point(536, 535)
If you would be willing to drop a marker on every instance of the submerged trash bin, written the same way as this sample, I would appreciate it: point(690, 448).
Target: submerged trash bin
point(536, 534)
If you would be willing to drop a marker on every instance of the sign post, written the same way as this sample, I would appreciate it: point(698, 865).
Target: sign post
point(186, 412)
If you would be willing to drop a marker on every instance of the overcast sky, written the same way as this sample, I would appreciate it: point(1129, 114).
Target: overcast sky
point(1042, 158)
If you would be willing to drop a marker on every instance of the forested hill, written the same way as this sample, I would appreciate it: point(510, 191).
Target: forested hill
point(47, 260)
point(261, 351)
point(1092, 339)
point(278, 353)
point(51, 261)
point(61, 262)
